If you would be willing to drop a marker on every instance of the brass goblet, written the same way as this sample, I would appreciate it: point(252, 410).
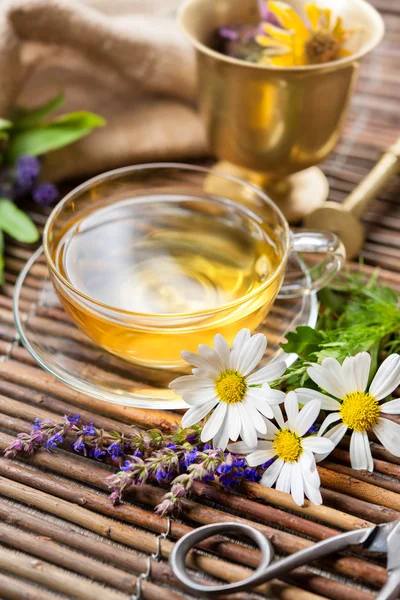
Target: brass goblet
point(270, 125)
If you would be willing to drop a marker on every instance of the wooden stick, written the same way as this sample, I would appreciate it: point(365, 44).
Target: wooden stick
point(115, 555)
point(381, 482)
point(15, 589)
point(354, 487)
point(91, 568)
point(134, 537)
point(284, 542)
point(39, 380)
point(55, 578)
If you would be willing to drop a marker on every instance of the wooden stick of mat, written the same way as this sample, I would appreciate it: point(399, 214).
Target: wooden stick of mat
point(138, 539)
point(324, 513)
point(15, 589)
point(100, 549)
point(283, 541)
point(39, 380)
point(71, 560)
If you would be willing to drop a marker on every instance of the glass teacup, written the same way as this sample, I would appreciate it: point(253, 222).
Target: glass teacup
point(153, 259)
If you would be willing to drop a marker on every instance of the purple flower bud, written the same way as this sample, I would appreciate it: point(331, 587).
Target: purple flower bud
point(73, 418)
point(79, 446)
point(27, 172)
point(190, 457)
point(228, 33)
point(114, 450)
point(97, 453)
point(53, 441)
point(89, 430)
point(45, 194)
point(126, 466)
point(313, 429)
point(36, 424)
point(13, 449)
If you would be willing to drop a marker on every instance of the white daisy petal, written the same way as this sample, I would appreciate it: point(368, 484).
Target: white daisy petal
point(388, 433)
point(247, 431)
point(307, 417)
point(255, 416)
point(241, 338)
point(305, 395)
point(329, 377)
point(211, 356)
point(387, 378)
point(189, 383)
point(240, 448)
point(198, 398)
point(296, 484)
point(233, 417)
point(221, 439)
point(284, 479)
point(214, 422)
point(312, 493)
point(222, 348)
point(278, 416)
point(259, 457)
point(251, 353)
point(292, 409)
point(260, 404)
point(272, 473)
point(335, 435)
point(268, 373)
point(197, 413)
point(271, 431)
point(332, 418)
point(358, 453)
point(273, 396)
point(356, 372)
point(391, 408)
point(265, 445)
point(318, 445)
point(199, 361)
point(309, 468)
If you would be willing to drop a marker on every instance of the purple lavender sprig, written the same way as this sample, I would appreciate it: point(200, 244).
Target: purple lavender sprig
point(22, 180)
point(177, 459)
point(46, 433)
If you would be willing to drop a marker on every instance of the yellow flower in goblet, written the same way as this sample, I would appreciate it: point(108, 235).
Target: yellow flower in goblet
point(296, 43)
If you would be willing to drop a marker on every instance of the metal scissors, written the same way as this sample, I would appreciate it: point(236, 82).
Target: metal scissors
point(377, 538)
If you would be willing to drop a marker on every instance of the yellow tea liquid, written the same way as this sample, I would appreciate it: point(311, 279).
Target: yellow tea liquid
point(148, 263)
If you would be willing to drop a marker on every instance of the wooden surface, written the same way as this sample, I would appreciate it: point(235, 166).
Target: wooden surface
point(59, 535)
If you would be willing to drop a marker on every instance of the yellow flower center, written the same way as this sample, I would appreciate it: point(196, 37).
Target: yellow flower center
point(288, 445)
point(231, 386)
point(359, 411)
point(321, 47)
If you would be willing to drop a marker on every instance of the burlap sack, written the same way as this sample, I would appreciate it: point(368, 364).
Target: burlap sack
point(124, 59)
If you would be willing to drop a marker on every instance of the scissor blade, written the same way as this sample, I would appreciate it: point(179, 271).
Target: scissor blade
point(386, 538)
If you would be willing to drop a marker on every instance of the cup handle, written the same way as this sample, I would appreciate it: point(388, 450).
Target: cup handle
point(316, 242)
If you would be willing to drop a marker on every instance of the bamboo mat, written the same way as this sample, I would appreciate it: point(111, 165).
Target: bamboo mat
point(59, 535)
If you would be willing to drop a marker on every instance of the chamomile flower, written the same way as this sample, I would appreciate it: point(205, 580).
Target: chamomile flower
point(225, 384)
point(357, 408)
point(296, 42)
point(292, 451)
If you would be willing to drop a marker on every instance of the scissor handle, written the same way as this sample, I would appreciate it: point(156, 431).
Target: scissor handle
point(264, 572)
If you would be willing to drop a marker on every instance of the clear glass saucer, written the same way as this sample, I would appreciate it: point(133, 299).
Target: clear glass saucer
point(50, 336)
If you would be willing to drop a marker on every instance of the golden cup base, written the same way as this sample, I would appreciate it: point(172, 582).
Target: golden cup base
point(296, 195)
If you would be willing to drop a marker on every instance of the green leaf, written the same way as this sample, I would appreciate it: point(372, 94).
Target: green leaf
point(304, 341)
point(51, 136)
point(4, 124)
point(27, 118)
point(1, 258)
point(16, 223)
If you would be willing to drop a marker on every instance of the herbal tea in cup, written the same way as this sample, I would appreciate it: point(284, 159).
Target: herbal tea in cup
point(148, 261)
